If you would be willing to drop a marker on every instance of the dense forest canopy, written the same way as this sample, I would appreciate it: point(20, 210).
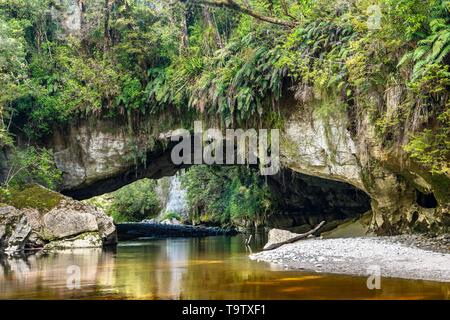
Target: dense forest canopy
point(230, 60)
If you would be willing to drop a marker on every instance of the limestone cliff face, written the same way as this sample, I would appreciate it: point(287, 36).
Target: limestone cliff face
point(99, 156)
point(87, 152)
point(404, 197)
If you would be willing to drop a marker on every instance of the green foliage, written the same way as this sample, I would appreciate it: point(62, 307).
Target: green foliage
point(234, 82)
point(171, 215)
point(136, 201)
point(434, 48)
point(47, 79)
point(431, 148)
point(430, 82)
point(162, 57)
point(5, 137)
point(226, 195)
point(32, 165)
point(132, 203)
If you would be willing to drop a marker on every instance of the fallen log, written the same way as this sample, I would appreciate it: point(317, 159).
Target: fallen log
point(294, 239)
point(247, 242)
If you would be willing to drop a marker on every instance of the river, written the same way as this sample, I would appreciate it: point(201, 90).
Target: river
point(188, 268)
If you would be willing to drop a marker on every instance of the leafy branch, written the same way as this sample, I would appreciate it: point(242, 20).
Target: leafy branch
point(233, 5)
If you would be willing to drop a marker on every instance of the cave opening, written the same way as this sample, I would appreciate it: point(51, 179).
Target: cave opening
point(300, 201)
point(426, 200)
point(306, 200)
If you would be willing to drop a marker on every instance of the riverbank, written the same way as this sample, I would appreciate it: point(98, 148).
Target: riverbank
point(398, 257)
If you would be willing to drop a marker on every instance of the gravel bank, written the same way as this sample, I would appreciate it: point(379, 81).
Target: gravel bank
point(355, 255)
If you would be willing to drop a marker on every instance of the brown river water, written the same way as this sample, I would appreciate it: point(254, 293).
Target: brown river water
point(188, 268)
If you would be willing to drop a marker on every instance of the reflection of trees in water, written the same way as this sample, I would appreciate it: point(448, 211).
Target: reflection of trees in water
point(153, 270)
point(167, 269)
point(201, 268)
point(223, 269)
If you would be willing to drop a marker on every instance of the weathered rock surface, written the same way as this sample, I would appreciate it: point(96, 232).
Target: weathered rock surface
point(69, 224)
point(62, 222)
point(315, 147)
point(14, 229)
point(277, 235)
point(85, 240)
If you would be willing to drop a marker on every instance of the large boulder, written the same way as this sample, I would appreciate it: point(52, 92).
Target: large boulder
point(64, 222)
point(14, 229)
point(36, 217)
point(277, 236)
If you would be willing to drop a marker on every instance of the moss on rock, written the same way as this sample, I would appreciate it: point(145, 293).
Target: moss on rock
point(33, 196)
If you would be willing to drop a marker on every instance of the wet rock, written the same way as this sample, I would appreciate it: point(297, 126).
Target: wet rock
point(87, 240)
point(172, 221)
point(149, 221)
point(130, 231)
point(398, 257)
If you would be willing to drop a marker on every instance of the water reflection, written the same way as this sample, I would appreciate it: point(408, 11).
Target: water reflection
point(45, 276)
point(207, 268)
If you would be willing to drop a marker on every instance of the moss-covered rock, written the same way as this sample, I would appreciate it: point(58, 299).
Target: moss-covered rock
point(35, 217)
point(33, 196)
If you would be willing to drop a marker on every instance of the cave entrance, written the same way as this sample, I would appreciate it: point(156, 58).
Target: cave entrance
point(302, 200)
point(426, 200)
point(224, 194)
point(306, 200)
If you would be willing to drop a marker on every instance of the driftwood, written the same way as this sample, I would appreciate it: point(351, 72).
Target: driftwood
point(247, 241)
point(294, 239)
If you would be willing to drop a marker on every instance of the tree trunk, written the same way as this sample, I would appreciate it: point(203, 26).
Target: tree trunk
point(295, 239)
point(106, 33)
point(233, 5)
point(210, 22)
point(184, 32)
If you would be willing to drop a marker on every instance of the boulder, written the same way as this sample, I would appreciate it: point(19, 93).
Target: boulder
point(278, 236)
point(63, 222)
point(60, 223)
point(14, 229)
point(173, 222)
point(85, 240)
point(19, 235)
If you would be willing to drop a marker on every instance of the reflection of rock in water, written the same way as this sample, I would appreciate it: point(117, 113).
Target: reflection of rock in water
point(25, 275)
point(176, 202)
